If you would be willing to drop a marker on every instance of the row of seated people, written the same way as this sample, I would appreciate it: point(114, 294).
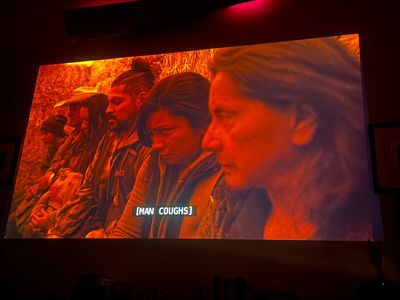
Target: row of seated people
point(272, 148)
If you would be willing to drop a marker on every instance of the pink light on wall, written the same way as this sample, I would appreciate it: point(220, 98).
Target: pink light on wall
point(73, 4)
point(250, 9)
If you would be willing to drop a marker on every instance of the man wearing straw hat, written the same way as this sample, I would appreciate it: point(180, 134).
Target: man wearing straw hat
point(103, 194)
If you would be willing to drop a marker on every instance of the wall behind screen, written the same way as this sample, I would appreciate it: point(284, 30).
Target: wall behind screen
point(34, 35)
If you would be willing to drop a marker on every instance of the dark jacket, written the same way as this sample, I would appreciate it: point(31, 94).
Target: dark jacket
point(104, 191)
point(201, 184)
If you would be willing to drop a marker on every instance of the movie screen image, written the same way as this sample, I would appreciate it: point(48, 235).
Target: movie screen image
point(264, 141)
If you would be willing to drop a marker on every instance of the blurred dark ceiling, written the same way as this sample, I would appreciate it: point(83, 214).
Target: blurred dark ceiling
point(99, 18)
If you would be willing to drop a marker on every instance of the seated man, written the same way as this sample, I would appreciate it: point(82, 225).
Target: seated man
point(80, 146)
point(53, 136)
point(178, 173)
point(103, 193)
point(288, 118)
point(75, 137)
point(68, 170)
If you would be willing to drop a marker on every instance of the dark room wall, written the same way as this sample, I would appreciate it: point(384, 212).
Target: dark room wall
point(34, 34)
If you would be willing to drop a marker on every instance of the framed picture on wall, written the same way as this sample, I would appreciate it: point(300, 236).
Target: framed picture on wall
point(385, 152)
point(9, 150)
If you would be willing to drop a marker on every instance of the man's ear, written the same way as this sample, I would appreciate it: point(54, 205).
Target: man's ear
point(140, 98)
point(306, 125)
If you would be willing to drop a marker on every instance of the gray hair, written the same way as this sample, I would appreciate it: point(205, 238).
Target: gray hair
point(324, 75)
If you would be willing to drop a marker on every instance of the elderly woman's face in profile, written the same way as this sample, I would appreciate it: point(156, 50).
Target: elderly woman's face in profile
point(252, 139)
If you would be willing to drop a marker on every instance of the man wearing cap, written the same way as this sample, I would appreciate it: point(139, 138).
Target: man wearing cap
point(53, 135)
point(71, 161)
point(74, 154)
point(77, 151)
point(74, 145)
point(109, 179)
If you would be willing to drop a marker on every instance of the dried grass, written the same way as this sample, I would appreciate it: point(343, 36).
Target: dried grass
point(56, 82)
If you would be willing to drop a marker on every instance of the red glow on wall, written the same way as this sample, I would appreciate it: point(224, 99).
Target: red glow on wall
point(73, 4)
point(250, 9)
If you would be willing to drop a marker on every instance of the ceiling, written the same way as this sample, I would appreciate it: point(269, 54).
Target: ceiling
point(99, 18)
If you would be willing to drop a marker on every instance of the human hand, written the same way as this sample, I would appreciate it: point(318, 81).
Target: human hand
point(96, 234)
point(53, 236)
point(39, 218)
